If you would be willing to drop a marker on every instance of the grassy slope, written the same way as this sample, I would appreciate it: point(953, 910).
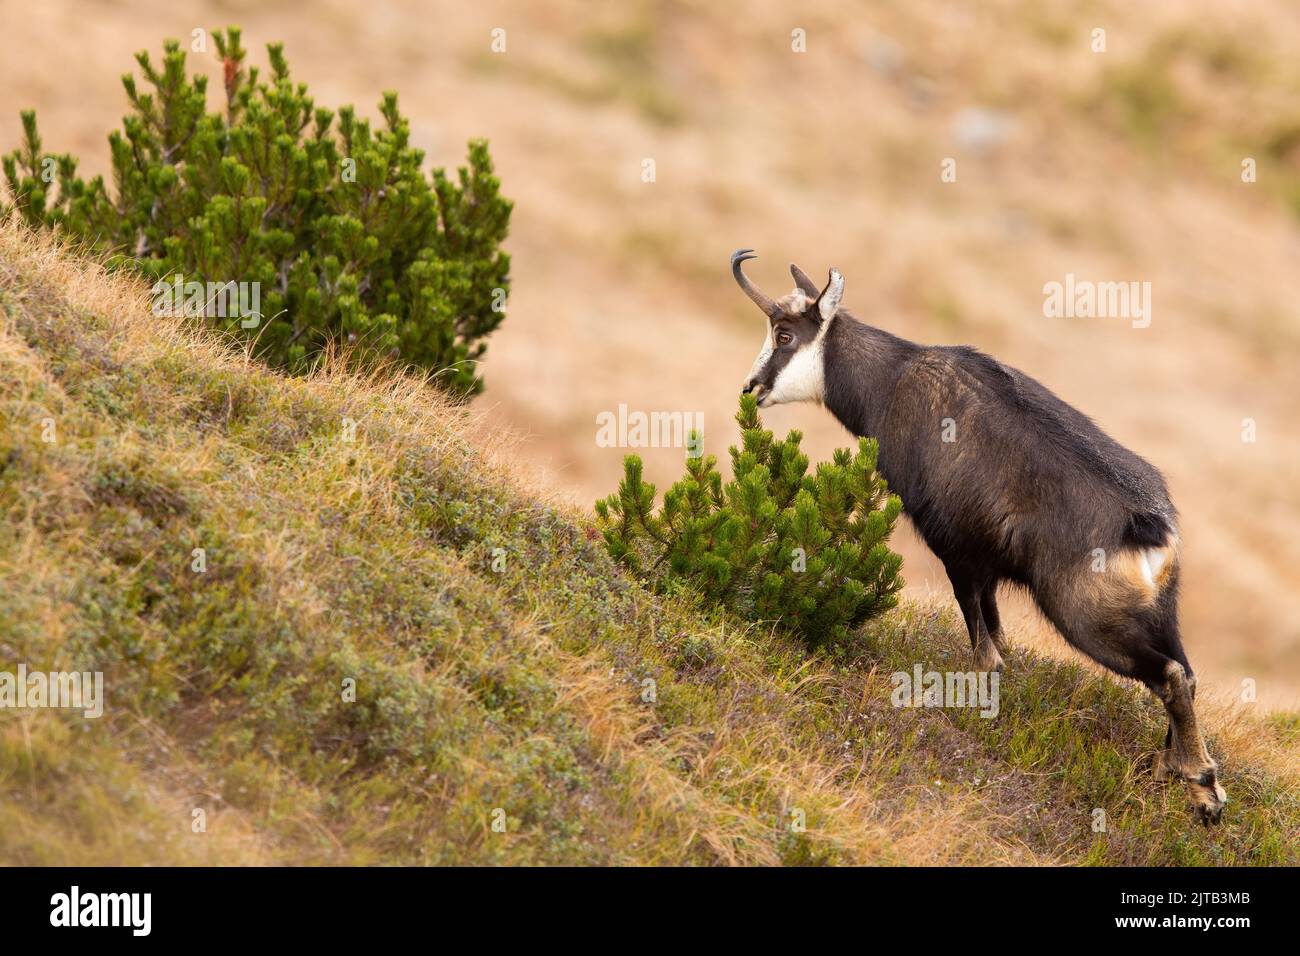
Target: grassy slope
point(476, 689)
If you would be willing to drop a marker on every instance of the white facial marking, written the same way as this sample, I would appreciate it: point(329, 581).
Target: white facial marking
point(803, 378)
point(764, 354)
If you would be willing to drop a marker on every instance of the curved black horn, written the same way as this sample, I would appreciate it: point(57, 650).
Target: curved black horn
point(769, 307)
point(806, 284)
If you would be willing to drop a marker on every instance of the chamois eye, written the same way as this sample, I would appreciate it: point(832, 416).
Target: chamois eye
point(784, 338)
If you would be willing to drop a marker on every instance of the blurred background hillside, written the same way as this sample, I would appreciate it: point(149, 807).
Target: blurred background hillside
point(1124, 165)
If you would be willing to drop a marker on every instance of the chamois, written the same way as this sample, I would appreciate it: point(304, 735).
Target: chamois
point(1005, 483)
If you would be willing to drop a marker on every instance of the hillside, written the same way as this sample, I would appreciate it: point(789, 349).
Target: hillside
point(1122, 165)
point(520, 689)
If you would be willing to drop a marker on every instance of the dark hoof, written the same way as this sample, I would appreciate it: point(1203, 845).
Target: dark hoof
point(1209, 799)
point(987, 659)
point(1210, 816)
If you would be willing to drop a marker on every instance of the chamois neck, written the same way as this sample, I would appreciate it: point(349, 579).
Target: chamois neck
point(863, 365)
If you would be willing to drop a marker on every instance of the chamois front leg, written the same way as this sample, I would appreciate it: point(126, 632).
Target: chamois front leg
point(986, 656)
point(992, 620)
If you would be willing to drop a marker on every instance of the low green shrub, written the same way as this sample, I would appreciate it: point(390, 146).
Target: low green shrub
point(773, 544)
point(334, 227)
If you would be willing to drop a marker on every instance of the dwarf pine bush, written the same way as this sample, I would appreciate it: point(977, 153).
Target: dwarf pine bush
point(775, 543)
point(335, 225)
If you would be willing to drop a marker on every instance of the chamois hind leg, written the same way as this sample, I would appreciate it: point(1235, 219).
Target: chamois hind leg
point(1141, 641)
point(1145, 646)
point(1186, 755)
point(1164, 669)
point(967, 592)
point(1165, 766)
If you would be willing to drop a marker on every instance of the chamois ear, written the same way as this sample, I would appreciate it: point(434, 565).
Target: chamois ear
point(828, 303)
point(805, 284)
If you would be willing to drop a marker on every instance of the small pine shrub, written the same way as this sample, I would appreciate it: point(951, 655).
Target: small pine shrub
point(345, 236)
point(775, 543)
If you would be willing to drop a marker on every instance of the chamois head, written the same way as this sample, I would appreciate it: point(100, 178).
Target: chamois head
point(790, 365)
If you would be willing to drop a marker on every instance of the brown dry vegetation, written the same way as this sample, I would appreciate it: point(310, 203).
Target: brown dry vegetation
point(478, 688)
